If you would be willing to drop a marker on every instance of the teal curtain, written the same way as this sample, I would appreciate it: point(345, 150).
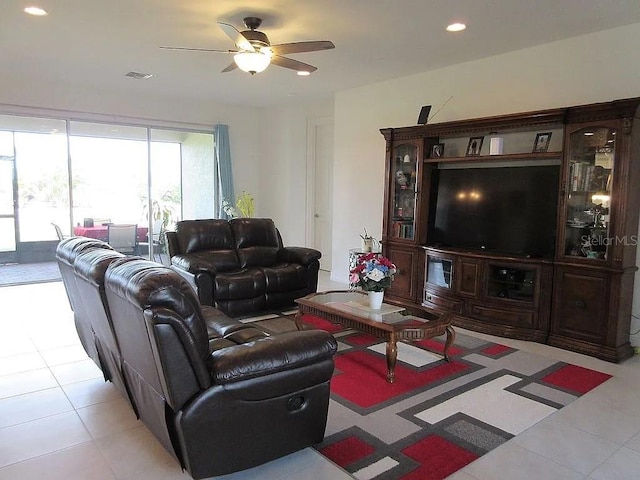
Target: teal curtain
point(223, 168)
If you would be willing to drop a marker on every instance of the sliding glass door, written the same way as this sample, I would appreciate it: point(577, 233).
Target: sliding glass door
point(98, 173)
point(110, 174)
point(34, 191)
point(8, 201)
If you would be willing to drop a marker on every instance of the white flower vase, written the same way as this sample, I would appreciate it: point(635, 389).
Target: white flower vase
point(375, 300)
point(367, 244)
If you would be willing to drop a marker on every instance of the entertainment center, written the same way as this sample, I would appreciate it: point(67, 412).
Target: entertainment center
point(522, 225)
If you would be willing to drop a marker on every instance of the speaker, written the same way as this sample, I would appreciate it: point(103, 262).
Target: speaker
point(423, 118)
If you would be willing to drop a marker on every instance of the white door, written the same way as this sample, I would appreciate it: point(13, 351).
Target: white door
point(319, 187)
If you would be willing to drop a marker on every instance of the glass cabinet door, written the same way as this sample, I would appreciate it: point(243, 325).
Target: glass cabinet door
point(403, 199)
point(591, 162)
point(439, 272)
point(511, 283)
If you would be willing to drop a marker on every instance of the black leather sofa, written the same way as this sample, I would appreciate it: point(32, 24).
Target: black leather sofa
point(66, 253)
point(219, 395)
point(240, 266)
point(90, 268)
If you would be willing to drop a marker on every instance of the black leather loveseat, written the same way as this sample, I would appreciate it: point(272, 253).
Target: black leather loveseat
point(241, 266)
point(219, 395)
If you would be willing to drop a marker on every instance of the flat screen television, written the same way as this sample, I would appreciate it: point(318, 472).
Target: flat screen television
point(510, 210)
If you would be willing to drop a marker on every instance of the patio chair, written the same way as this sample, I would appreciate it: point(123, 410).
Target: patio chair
point(123, 238)
point(155, 239)
point(59, 233)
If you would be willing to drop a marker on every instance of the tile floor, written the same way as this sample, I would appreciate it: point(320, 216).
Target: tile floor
point(60, 420)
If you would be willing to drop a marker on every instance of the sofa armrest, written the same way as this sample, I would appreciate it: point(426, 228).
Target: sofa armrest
point(201, 282)
point(270, 355)
point(301, 255)
point(193, 264)
point(212, 316)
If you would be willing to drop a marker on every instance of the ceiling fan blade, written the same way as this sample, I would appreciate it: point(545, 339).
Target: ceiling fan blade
point(232, 66)
point(238, 39)
point(299, 47)
point(199, 49)
point(292, 64)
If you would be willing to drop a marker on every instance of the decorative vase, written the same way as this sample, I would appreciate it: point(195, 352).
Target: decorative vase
point(375, 300)
point(367, 244)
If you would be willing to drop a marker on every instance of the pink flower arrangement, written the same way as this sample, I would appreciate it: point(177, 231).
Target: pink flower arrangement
point(373, 272)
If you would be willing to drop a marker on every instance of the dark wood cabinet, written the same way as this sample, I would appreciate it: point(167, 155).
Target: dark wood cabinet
point(468, 279)
point(581, 304)
point(578, 298)
point(591, 312)
point(406, 200)
point(491, 294)
point(404, 284)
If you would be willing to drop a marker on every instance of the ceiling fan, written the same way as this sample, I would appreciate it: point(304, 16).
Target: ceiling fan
point(254, 52)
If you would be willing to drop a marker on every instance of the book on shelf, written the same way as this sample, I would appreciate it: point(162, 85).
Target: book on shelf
point(585, 177)
point(402, 229)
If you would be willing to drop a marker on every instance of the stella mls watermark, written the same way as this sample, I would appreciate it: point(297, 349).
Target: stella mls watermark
point(626, 240)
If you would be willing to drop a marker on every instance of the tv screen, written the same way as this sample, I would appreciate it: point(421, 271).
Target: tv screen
point(509, 210)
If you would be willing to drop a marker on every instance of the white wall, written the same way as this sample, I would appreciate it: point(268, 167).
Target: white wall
point(282, 166)
point(198, 176)
point(593, 68)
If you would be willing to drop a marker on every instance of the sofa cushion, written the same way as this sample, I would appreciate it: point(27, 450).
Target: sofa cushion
point(208, 260)
point(211, 239)
point(243, 284)
point(285, 277)
point(256, 241)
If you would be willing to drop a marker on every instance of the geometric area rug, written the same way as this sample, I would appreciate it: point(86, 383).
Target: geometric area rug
point(437, 416)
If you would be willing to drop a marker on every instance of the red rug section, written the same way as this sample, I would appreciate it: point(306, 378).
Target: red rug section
point(496, 349)
point(322, 324)
point(439, 458)
point(347, 451)
point(363, 378)
point(577, 379)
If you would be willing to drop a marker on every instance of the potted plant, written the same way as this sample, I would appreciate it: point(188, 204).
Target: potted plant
point(374, 274)
point(244, 207)
point(367, 241)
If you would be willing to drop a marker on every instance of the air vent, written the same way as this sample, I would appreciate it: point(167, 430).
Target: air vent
point(139, 76)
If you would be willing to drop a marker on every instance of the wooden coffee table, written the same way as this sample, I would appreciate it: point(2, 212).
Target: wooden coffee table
point(391, 323)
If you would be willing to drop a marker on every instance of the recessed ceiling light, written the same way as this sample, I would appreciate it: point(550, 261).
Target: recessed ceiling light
point(303, 73)
point(456, 27)
point(37, 11)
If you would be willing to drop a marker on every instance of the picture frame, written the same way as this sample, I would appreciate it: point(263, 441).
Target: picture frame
point(541, 144)
point(474, 147)
point(437, 150)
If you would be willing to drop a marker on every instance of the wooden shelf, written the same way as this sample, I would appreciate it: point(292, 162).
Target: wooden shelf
point(498, 158)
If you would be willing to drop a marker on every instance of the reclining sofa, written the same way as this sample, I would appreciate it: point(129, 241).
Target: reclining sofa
point(240, 266)
point(219, 395)
point(66, 253)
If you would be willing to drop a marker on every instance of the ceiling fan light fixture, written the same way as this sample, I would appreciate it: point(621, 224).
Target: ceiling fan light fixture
point(252, 62)
point(303, 73)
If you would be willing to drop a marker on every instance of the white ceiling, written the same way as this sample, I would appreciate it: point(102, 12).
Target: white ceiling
point(97, 42)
